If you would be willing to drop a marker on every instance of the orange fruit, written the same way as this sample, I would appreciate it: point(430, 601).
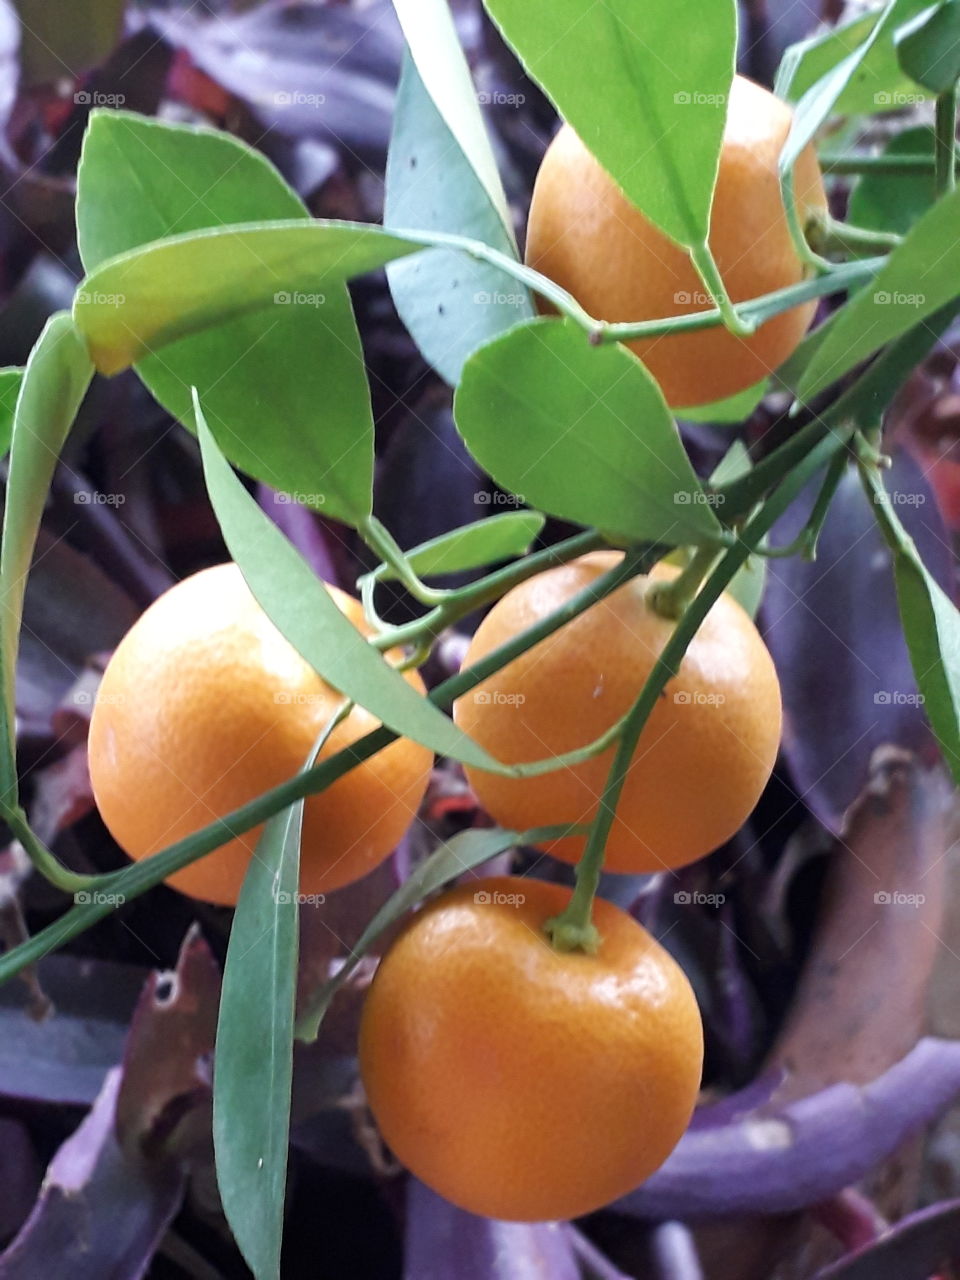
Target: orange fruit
point(203, 706)
point(704, 755)
point(518, 1081)
point(584, 234)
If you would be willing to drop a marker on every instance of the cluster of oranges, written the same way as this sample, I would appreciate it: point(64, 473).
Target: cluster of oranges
point(520, 1081)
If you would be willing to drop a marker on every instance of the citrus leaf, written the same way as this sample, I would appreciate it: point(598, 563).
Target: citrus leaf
point(894, 201)
point(253, 1067)
point(450, 304)
point(928, 47)
point(931, 626)
point(10, 381)
point(500, 537)
point(732, 409)
point(920, 276)
point(654, 118)
point(582, 432)
point(876, 84)
point(284, 390)
point(458, 855)
point(431, 36)
point(300, 606)
point(747, 584)
point(54, 383)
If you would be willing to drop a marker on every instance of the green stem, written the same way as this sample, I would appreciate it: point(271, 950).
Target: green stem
point(945, 142)
point(379, 539)
point(574, 928)
point(42, 858)
point(798, 232)
point(827, 234)
point(853, 163)
point(670, 598)
point(702, 257)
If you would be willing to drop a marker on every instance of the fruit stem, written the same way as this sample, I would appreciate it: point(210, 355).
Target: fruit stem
point(826, 234)
point(670, 597)
point(819, 265)
point(805, 543)
point(42, 858)
point(702, 257)
point(945, 142)
point(381, 541)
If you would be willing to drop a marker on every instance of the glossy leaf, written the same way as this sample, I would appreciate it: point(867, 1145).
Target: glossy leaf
point(500, 537)
point(581, 432)
point(450, 304)
point(285, 392)
point(253, 1066)
point(437, 54)
point(54, 383)
point(645, 87)
point(928, 48)
point(877, 84)
point(894, 201)
point(304, 611)
point(10, 380)
point(919, 277)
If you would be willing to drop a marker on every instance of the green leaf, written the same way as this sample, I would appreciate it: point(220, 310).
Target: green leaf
point(435, 48)
point(920, 276)
point(460, 854)
point(748, 583)
point(450, 304)
point(188, 284)
point(60, 39)
point(928, 47)
point(54, 383)
point(10, 381)
point(300, 606)
point(500, 537)
point(284, 390)
point(253, 1067)
point(895, 201)
point(582, 432)
point(645, 86)
point(877, 84)
point(931, 626)
point(732, 409)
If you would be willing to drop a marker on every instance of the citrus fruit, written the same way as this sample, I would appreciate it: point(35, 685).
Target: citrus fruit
point(584, 234)
point(704, 755)
point(518, 1081)
point(203, 706)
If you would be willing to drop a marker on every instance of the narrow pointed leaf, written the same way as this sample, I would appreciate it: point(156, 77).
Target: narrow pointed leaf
point(500, 537)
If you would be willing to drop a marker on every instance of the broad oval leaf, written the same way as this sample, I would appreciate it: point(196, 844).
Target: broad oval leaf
point(450, 304)
point(431, 36)
point(286, 393)
point(582, 432)
point(928, 48)
point(304, 611)
point(500, 537)
point(920, 276)
point(253, 1066)
point(645, 87)
point(54, 384)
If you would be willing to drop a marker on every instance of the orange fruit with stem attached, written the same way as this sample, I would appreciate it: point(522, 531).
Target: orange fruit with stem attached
point(705, 753)
point(584, 234)
point(522, 1082)
point(204, 706)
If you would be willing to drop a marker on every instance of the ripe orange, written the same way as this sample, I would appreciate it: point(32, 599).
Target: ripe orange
point(584, 234)
point(703, 758)
point(518, 1081)
point(203, 706)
